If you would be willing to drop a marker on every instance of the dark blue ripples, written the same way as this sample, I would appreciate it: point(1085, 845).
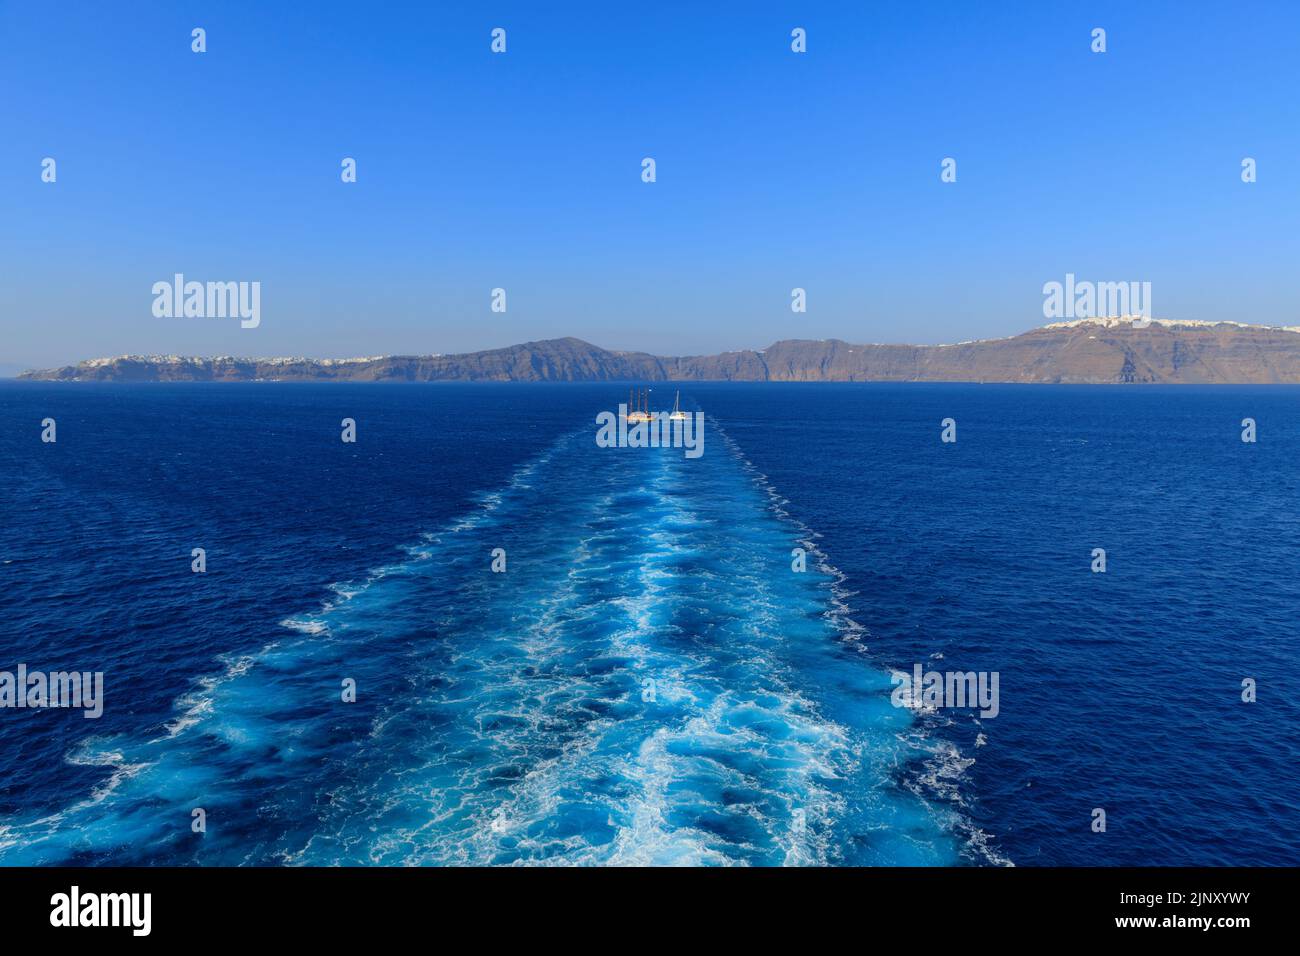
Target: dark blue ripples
point(649, 682)
point(1120, 690)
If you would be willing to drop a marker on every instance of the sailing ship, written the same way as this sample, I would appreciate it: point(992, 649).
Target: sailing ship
point(677, 415)
point(641, 411)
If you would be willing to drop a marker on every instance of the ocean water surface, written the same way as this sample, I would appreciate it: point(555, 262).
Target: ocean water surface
point(649, 681)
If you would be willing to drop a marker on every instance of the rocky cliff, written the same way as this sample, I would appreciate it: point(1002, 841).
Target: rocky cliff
point(1088, 352)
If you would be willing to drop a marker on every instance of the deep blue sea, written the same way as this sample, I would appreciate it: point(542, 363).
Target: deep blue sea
point(649, 681)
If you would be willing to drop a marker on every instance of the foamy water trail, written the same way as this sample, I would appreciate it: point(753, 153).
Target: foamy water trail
point(649, 682)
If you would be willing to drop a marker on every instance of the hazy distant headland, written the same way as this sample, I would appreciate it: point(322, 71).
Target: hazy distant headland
point(1085, 351)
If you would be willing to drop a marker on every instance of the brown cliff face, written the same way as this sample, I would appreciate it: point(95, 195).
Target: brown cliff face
point(1085, 353)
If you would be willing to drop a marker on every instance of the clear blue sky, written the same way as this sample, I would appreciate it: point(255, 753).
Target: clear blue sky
point(775, 170)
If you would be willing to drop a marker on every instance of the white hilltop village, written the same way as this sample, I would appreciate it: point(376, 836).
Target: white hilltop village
point(1112, 322)
point(220, 359)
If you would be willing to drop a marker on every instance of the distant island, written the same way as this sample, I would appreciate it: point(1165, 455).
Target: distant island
point(1084, 351)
